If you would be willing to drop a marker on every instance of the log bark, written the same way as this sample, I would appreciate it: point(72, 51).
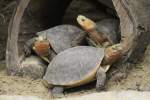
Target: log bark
point(12, 55)
point(135, 27)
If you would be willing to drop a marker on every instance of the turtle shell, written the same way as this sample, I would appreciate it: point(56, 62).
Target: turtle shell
point(110, 28)
point(75, 66)
point(61, 37)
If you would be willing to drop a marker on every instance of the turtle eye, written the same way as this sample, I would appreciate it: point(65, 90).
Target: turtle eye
point(83, 20)
point(33, 48)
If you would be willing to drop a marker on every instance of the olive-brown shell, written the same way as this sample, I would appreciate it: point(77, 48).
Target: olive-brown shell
point(74, 66)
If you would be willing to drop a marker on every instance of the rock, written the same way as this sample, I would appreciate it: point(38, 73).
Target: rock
point(33, 67)
point(112, 95)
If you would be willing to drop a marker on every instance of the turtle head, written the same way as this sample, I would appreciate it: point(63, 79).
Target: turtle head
point(86, 23)
point(41, 46)
point(113, 53)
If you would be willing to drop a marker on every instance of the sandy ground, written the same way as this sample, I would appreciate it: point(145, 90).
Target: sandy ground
point(112, 95)
point(11, 85)
point(138, 79)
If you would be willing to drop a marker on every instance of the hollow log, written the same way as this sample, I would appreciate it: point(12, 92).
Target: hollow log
point(135, 27)
point(134, 22)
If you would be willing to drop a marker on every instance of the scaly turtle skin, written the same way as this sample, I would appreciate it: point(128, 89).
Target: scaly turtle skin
point(74, 67)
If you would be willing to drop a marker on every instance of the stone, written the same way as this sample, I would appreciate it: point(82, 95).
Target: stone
point(33, 67)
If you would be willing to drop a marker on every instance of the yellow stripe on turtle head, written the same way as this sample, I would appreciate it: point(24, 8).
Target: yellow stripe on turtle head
point(86, 23)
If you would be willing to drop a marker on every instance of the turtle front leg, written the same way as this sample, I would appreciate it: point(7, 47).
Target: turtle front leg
point(112, 54)
point(101, 79)
point(28, 46)
point(57, 92)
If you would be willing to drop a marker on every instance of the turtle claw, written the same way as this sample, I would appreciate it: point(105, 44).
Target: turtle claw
point(27, 50)
point(100, 88)
point(57, 92)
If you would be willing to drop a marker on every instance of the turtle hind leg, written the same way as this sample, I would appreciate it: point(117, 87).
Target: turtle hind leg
point(101, 80)
point(57, 92)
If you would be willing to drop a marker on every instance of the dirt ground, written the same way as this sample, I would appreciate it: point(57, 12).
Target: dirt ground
point(12, 85)
point(137, 79)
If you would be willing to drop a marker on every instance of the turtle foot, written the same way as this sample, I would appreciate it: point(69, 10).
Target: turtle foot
point(57, 92)
point(100, 88)
point(101, 80)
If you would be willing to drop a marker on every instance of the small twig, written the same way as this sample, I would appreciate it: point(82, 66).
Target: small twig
point(8, 6)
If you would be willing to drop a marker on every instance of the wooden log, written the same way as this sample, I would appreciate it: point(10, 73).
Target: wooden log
point(12, 55)
point(135, 27)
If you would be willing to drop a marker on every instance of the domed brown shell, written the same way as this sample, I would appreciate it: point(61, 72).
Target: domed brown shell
point(75, 66)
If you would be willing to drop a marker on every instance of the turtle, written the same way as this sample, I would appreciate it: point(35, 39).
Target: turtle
point(54, 40)
point(74, 67)
point(61, 36)
point(103, 33)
